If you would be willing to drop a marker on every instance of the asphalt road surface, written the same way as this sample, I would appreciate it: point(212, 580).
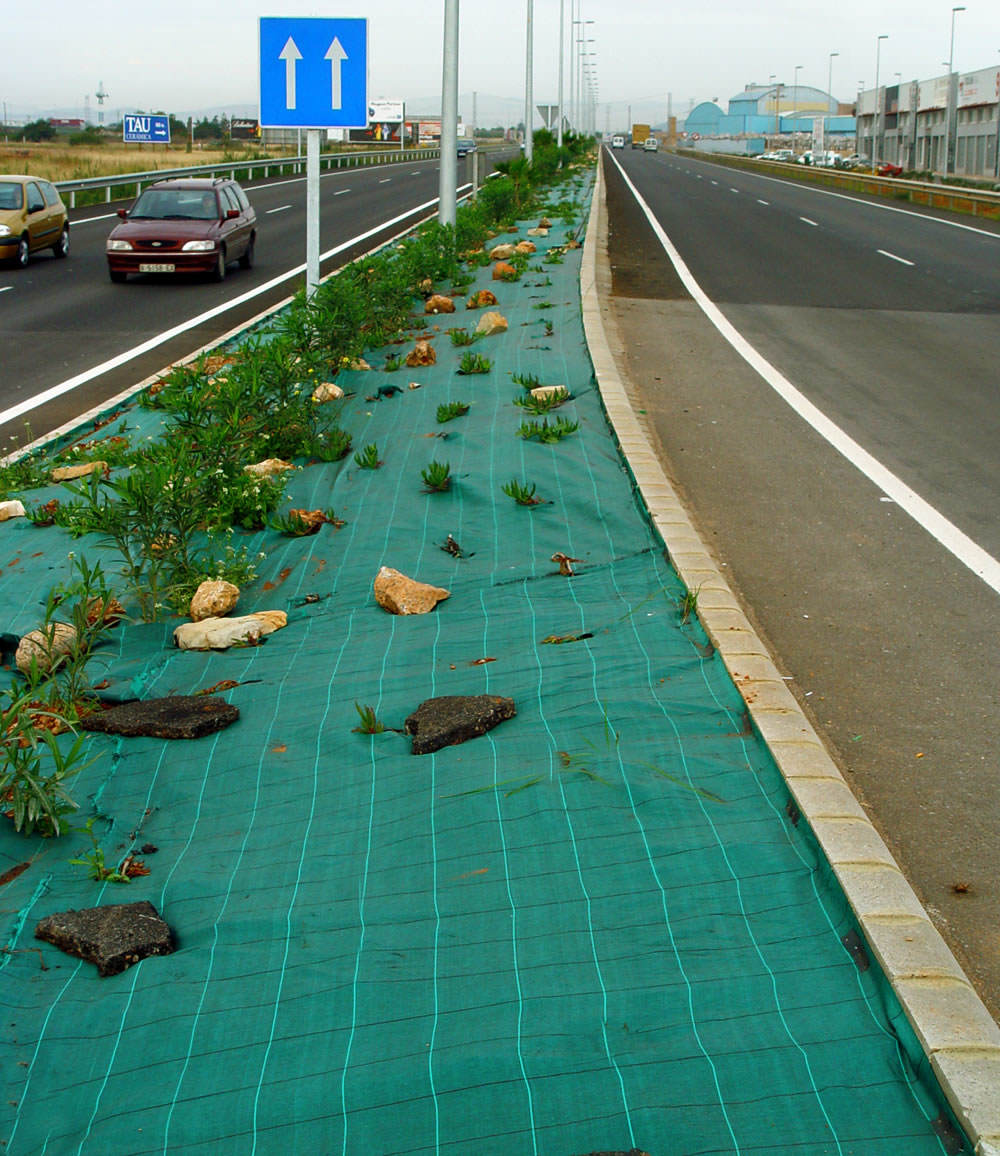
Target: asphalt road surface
point(888, 321)
point(64, 320)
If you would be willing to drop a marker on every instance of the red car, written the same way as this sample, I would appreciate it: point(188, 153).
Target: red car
point(887, 169)
point(187, 225)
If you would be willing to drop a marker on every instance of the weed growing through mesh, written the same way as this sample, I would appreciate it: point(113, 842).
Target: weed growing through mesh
point(437, 477)
point(369, 723)
point(522, 492)
point(392, 362)
point(549, 329)
point(688, 604)
point(526, 380)
point(546, 432)
point(367, 459)
point(461, 337)
point(451, 410)
point(475, 363)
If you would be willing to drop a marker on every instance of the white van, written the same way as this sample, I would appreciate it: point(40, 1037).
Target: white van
point(650, 144)
point(617, 142)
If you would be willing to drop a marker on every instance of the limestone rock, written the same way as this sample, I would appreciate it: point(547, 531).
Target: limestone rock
point(113, 937)
point(11, 509)
point(502, 252)
point(551, 391)
point(327, 391)
point(483, 297)
point(359, 365)
point(438, 303)
point(401, 595)
point(268, 468)
point(270, 620)
point(491, 323)
point(455, 718)
point(422, 354)
point(45, 646)
point(540, 231)
point(212, 599)
point(502, 270)
point(68, 473)
point(176, 716)
point(525, 247)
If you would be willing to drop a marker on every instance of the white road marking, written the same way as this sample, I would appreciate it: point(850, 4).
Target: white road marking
point(760, 202)
point(6, 288)
point(90, 220)
point(815, 224)
point(340, 192)
point(279, 209)
point(192, 323)
point(893, 257)
point(732, 190)
point(385, 180)
point(968, 552)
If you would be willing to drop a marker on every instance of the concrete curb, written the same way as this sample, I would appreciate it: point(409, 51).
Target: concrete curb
point(958, 1035)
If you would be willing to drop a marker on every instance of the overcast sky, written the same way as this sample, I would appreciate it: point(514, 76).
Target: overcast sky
point(187, 57)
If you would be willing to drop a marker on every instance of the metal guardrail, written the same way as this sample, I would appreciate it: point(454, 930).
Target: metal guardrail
point(230, 168)
point(957, 198)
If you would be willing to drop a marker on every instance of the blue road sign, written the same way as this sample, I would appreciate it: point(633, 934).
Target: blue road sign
point(313, 72)
point(141, 128)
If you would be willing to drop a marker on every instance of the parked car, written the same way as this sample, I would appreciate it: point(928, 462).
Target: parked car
point(778, 155)
point(186, 225)
point(650, 144)
point(32, 217)
point(617, 142)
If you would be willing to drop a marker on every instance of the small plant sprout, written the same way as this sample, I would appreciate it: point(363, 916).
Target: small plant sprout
point(688, 604)
point(437, 477)
point(98, 869)
point(525, 380)
point(393, 362)
point(521, 492)
point(299, 523)
point(475, 363)
point(461, 337)
point(545, 432)
point(543, 403)
point(451, 410)
point(369, 723)
point(549, 329)
point(367, 459)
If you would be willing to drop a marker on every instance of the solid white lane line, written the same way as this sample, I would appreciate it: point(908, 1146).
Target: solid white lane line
point(145, 346)
point(815, 224)
point(6, 288)
point(90, 220)
point(279, 209)
point(893, 257)
point(340, 192)
point(760, 202)
point(385, 180)
point(969, 553)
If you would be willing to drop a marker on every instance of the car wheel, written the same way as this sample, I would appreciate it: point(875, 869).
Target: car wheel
point(61, 247)
point(219, 272)
point(117, 276)
point(23, 251)
point(246, 261)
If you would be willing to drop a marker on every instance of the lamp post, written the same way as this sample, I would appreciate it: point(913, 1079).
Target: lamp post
point(448, 171)
point(562, 45)
point(948, 106)
point(795, 106)
point(529, 90)
point(829, 75)
point(878, 56)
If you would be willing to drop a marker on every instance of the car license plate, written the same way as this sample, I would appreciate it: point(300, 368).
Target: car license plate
point(156, 268)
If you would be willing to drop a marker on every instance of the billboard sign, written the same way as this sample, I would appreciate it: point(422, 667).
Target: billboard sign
point(138, 128)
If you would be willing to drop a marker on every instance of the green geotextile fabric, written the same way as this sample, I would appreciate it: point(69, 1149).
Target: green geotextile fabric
point(594, 928)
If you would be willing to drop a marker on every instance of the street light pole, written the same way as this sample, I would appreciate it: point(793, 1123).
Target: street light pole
point(448, 172)
point(829, 75)
point(795, 107)
point(562, 45)
point(948, 107)
point(878, 55)
point(529, 91)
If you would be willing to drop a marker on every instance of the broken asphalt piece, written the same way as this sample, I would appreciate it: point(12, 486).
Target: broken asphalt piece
point(113, 937)
point(455, 718)
point(181, 716)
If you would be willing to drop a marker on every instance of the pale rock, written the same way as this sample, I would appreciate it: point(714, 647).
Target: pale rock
point(438, 303)
point(502, 252)
point(401, 595)
point(327, 391)
point(11, 509)
point(270, 620)
point(550, 391)
point(538, 232)
point(525, 247)
point(45, 646)
point(221, 633)
point(268, 468)
point(68, 473)
point(491, 323)
point(359, 365)
point(414, 385)
point(213, 599)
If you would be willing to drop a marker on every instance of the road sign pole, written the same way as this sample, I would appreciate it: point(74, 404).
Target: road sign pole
point(312, 211)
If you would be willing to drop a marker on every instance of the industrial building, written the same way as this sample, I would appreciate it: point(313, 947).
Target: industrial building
point(948, 125)
point(773, 110)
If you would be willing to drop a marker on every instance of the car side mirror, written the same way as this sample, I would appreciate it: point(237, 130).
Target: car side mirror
point(232, 214)
point(123, 213)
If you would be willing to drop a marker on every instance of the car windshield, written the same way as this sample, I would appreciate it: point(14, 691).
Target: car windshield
point(177, 205)
point(11, 195)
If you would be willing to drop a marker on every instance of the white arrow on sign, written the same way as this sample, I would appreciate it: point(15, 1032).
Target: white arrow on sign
point(336, 56)
point(290, 55)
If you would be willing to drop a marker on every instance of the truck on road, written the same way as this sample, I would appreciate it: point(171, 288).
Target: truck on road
point(640, 133)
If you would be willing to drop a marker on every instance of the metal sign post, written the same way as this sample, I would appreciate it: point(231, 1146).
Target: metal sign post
point(313, 75)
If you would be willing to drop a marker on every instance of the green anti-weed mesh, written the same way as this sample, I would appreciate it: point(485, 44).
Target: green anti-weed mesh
point(594, 928)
